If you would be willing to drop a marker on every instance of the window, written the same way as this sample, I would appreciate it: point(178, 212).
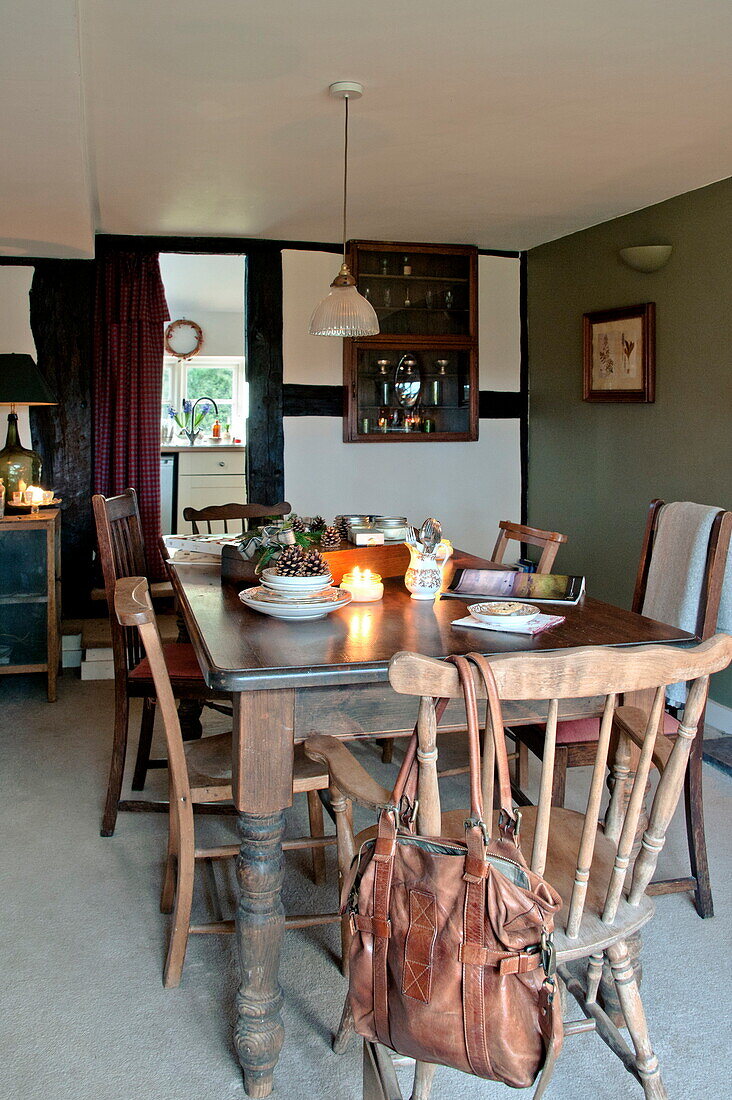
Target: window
point(221, 378)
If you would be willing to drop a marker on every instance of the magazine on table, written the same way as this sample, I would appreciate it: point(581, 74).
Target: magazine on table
point(503, 584)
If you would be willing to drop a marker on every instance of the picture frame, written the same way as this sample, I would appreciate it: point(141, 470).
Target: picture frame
point(619, 354)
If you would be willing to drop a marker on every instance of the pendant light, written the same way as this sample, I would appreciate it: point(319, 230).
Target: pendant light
point(344, 312)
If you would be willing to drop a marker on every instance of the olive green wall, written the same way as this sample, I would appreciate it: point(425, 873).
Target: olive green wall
point(594, 468)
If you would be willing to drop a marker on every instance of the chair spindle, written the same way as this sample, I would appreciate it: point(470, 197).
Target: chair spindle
point(544, 806)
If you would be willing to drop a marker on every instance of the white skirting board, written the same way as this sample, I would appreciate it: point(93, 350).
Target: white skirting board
point(719, 716)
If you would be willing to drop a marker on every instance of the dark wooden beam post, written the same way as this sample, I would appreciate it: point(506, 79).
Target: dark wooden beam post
point(265, 437)
point(61, 318)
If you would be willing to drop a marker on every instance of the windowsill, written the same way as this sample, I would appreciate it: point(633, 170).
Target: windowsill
point(173, 448)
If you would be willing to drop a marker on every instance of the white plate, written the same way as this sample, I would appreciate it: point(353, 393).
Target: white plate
point(502, 612)
point(315, 606)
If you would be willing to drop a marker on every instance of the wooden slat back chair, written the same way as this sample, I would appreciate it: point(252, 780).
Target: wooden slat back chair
point(233, 513)
point(549, 541)
point(200, 772)
point(576, 740)
point(122, 554)
point(586, 865)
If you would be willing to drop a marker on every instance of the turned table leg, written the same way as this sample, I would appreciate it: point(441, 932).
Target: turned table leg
point(262, 766)
point(260, 925)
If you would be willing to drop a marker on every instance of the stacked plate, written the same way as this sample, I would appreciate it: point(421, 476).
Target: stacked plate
point(295, 586)
point(295, 598)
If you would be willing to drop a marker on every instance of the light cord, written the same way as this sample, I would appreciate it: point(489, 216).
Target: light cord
point(345, 180)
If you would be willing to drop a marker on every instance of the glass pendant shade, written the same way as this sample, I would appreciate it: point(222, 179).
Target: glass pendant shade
point(344, 312)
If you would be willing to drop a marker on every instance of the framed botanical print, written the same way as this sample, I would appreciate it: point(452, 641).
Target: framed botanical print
point(619, 354)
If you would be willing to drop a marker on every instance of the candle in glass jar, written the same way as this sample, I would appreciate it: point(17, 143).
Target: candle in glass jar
point(364, 586)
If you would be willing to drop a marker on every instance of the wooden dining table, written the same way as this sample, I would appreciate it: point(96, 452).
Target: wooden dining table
point(331, 676)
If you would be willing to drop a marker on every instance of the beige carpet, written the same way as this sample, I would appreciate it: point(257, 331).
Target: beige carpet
point(83, 1015)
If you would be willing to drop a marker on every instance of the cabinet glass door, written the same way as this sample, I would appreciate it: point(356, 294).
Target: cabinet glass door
point(417, 294)
point(403, 392)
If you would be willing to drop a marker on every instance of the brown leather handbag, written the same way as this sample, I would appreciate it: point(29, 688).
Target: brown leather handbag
point(451, 959)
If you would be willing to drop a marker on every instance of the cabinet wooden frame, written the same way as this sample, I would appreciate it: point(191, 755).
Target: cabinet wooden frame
point(406, 342)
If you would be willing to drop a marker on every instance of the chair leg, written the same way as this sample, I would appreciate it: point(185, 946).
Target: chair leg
point(694, 805)
point(424, 1072)
point(315, 814)
point(117, 764)
point(343, 813)
point(185, 871)
point(144, 745)
point(630, 1001)
point(387, 750)
point(522, 765)
point(559, 779)
point(345, 1031)
point(167, 895)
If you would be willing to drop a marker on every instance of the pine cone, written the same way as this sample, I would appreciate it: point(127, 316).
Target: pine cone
point(317, 524)
point(330, 539)
point(298, 525)
point(290, 561)
point(313, 564)
point(342, 526)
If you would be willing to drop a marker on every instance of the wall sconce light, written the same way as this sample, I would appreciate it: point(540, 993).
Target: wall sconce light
point(647, 257)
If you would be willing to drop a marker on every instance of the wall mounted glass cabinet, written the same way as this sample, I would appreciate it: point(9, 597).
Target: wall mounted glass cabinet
point(418, 378)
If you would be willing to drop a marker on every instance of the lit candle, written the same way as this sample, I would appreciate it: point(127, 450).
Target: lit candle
point(365, 587)
point(34, 495)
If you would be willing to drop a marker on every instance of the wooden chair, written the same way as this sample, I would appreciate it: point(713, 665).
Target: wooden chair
point(584, 863)
point(122, 554)
point(577, 740)
point(226, 513)
point(550, 541)
point(200, 772)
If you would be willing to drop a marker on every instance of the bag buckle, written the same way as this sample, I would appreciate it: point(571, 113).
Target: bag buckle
point(478, 823)
point(407, 811)
point(548, 954)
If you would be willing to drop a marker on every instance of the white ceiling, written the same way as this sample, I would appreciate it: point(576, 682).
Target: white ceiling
point(504, 123)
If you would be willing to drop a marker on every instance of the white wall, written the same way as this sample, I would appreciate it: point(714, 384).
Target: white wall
point(468, 486)
point(15, 334)
point(210, 291)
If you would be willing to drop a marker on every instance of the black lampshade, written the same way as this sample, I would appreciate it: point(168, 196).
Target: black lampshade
point(21, 382)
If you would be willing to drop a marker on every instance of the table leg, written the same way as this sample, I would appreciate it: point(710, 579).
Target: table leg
point(260, 925)
point(262, 786)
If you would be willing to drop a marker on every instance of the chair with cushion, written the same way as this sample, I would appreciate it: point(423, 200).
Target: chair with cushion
point(122, 554)
point(576, 740)
point(586, 865)
point(228, 513)
point(200, 773)
point(549, 541)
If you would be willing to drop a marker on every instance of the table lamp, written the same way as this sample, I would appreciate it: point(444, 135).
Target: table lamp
point(21, 383)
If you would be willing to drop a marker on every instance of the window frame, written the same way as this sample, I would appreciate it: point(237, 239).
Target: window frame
point(240, 387)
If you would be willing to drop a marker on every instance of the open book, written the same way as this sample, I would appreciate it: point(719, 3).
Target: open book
point(500, 584)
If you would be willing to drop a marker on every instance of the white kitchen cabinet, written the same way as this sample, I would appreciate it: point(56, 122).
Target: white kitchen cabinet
point(209, 477)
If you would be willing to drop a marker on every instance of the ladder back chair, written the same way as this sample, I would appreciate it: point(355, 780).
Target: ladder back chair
point(200, 772)
point(576, 740)
point(603, 902)
point(233, 513)
point(549, 541)
point(122, 554)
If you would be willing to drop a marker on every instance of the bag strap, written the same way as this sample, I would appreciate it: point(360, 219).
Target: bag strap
point(494, 719)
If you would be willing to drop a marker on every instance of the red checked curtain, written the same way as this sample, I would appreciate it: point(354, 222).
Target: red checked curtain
point(130, 313)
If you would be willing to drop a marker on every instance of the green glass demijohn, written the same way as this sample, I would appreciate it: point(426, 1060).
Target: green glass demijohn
point(21, 383)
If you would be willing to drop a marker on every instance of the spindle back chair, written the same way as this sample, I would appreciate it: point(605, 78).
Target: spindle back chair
point(586, 864)
point(233, 513)
point(200, 772)
point(576, 740)
point(549, 541)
